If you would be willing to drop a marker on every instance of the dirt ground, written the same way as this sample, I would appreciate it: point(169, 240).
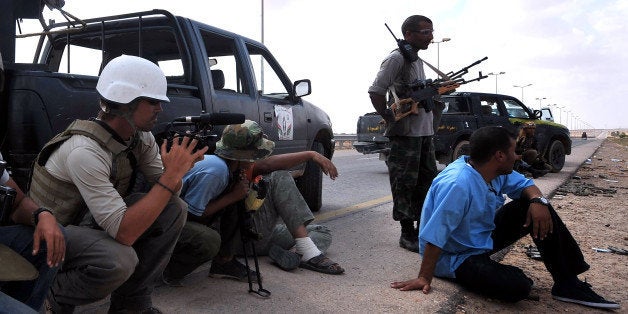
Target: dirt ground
point(593, 206)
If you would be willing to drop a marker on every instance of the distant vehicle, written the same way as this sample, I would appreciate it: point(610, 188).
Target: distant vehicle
point(464, 113)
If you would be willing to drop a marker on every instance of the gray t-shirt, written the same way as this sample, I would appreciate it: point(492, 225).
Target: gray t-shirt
point(395, 71)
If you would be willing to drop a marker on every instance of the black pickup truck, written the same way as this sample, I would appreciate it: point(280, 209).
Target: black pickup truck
point(464, 113)
point(209, 70)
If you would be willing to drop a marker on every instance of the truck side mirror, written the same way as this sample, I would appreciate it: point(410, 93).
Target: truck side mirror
point(302, 88)
point(537, 114)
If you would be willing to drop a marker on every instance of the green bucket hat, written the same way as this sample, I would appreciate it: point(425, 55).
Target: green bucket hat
point(244, 142)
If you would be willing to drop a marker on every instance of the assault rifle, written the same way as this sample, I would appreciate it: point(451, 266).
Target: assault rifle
point(422, 92)
point(426, 89)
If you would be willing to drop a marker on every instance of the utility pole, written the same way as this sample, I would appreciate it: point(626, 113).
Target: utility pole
point(262, 58)
point(540, 99)
point(522, 87)
point(496, 74)
point(438, 50)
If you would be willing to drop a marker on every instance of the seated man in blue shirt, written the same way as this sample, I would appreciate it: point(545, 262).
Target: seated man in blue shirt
point(463, 222)
point(217, 186)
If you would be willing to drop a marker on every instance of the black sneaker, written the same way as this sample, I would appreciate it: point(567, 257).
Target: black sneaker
point(576, 291)
point(409, 242)
point(285, 259)
point(232, 269)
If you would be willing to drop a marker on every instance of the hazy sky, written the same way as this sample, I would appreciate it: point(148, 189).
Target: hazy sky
point(572, 52)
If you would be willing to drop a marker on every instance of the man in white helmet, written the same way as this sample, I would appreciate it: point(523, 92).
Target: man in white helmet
point(118, 241)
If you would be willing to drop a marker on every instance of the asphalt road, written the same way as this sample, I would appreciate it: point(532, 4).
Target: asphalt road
point(357, 207)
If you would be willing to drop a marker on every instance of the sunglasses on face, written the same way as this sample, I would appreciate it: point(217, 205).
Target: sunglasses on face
point(424, 32)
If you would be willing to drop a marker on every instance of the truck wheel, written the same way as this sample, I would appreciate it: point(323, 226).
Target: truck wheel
point(461, 148)
point(311, 182)
point(556, 156)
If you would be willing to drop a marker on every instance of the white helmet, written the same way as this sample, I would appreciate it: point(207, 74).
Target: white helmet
point(126, 78)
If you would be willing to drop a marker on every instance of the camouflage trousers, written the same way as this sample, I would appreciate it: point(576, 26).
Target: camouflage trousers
point(411, 168)
point(284, 210)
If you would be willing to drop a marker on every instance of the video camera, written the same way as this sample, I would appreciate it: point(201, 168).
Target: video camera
point(199, 128)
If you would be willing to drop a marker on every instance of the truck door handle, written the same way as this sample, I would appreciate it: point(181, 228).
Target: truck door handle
point(268, 117)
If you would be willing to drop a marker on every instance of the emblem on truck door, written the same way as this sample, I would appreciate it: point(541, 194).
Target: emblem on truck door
point(285, 122)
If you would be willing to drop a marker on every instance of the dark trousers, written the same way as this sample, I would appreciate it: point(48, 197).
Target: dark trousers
point(197, 244)
point(33, 292)
point(411, 169)
point(560, 252)
point(283, 202)
point(96, 265)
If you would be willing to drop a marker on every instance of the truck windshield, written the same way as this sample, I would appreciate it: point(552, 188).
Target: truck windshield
point(515, 109)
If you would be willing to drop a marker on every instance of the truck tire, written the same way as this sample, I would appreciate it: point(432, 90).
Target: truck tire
point(311, 182)
point(461, 148)
point(556, 156)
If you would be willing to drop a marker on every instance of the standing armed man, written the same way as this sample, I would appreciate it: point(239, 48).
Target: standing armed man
point(411, 162)
point(118, 242)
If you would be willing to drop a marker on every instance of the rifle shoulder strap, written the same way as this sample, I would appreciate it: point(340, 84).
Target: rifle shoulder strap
point(435, 69)
point(391, 89)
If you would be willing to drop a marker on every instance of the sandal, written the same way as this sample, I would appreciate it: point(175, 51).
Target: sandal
point(322, 264)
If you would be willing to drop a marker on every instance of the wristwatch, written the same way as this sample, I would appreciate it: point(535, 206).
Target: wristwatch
point(35, 217)
point(541, 200)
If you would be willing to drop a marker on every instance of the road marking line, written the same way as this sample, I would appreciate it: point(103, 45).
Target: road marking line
point(353, 208)
point(367, 158)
